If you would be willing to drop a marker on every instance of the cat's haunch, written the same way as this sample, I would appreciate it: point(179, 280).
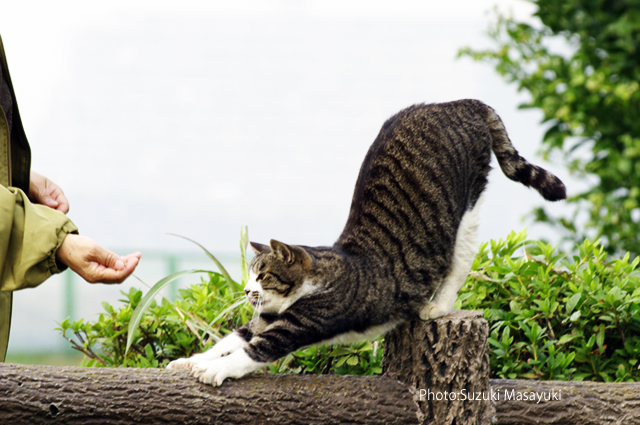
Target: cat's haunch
point(405, 251)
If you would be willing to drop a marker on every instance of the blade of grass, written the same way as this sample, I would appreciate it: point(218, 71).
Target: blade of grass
point(244, 243)
point(225, 311)
point(234, 285)
point(147, 299)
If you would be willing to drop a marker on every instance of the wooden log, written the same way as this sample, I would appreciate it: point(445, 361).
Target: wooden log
point(436, 356)
point(569, 403)
point(446, 364)
point(73, 395)
point(49, 395)
point(444, 355)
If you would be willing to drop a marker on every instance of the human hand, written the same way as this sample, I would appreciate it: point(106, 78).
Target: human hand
point(94, 263)
point(44, 191)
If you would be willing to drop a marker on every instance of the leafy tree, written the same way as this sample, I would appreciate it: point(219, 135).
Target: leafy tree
point(581, 67)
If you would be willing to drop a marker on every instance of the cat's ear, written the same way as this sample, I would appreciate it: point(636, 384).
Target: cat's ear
point(290, 253)
point(259, 248)
point(282, 251)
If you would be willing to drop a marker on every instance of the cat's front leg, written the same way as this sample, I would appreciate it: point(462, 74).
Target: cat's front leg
point(235, 365)
point(275, 340)
point(225, 346)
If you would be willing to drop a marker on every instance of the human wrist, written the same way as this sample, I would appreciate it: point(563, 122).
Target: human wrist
point(60, 261)
point(60, 254)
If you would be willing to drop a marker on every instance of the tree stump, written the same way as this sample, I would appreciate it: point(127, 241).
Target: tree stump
point(445, 362)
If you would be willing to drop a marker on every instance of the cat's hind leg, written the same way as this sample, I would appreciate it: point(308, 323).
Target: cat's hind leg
point(464, 253)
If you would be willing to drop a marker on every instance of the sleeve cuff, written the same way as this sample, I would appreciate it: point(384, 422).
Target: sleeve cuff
point(54, 266)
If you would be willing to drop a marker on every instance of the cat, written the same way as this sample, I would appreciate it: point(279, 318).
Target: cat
point(407, 247)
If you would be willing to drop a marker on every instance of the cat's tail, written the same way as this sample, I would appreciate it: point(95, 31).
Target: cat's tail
point(519, 169)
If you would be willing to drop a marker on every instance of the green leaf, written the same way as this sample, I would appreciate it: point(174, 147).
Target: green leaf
point(515, 307)
point(565, 338)
point(575, 316)
point(573, 301)
point(600, 337)
point(341, 351)
point(148, 299)
point(107, 307)
point(341, 361)
point(352, 360)
point(366, 346)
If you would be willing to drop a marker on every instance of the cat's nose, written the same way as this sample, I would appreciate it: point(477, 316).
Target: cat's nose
point(246, 291)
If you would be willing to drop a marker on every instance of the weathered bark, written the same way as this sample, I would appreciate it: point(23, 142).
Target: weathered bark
point(443, 359)
point(579, 403)
point(445, 355)
point(73, 395)
point(440, 355)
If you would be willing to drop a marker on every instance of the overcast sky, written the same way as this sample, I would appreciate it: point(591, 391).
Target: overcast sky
point(200, 118)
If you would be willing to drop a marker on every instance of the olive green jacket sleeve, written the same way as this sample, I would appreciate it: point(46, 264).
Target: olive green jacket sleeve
point(30, 234)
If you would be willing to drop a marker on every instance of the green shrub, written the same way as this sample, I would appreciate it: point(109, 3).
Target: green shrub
point(201, 315)
point(551, 317)
point(557, 318)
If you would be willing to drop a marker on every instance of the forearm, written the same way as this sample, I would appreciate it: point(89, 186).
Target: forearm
point(30, 234)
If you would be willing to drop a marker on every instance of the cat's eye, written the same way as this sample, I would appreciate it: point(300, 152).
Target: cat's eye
point(260, 277)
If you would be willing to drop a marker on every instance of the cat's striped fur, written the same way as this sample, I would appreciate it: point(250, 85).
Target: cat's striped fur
point(404, 253)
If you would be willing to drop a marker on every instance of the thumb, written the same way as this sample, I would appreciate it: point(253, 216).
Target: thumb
point(48, 201)
point(109, 259)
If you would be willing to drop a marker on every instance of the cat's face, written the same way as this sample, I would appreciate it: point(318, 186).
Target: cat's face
point(278, 276)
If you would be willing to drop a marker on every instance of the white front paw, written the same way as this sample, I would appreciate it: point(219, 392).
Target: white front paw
point(180, 364)
point(187, 363)
point(433, 311)
point(235, 365)
point(213, 372)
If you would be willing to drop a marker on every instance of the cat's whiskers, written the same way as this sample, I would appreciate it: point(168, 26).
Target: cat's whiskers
point(257, 308)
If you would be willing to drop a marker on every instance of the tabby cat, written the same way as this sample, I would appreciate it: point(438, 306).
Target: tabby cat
point(405, 251)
